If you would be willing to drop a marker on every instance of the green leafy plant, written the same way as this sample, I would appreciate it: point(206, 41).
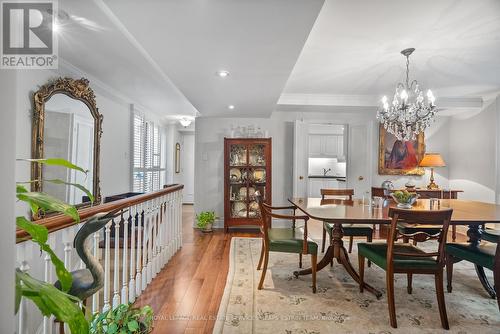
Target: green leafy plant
point(124, 319)
point(45, 296)
point(205, 218)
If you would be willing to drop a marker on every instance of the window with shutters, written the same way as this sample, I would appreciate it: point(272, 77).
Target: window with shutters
point(148, 168)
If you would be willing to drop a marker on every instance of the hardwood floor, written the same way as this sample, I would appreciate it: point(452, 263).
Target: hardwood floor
point(186, 294)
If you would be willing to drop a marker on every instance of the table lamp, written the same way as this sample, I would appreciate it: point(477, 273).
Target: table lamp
point(432, 160)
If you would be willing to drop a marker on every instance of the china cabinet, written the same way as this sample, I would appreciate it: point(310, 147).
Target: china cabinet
point(247, 169)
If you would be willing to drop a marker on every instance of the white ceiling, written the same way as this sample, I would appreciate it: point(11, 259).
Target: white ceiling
point(353, 48)
point(94, 44)
point(257, 41)
point(164, 54)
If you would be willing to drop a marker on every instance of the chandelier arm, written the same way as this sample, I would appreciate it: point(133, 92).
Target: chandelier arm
point(414, 82)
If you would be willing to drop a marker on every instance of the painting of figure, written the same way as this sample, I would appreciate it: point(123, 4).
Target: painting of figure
point(397, 157)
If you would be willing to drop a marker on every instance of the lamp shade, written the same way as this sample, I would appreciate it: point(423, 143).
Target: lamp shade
point(432, 160)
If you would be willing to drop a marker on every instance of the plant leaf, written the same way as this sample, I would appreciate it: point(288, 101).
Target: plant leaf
point(39, 234)
point(48, 202)
point(53, 301)
point(79, 186)
point(56, 162)
point(21, 189)
point(133, 325)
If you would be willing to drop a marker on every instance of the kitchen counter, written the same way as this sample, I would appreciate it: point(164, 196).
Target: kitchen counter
point(339, 178)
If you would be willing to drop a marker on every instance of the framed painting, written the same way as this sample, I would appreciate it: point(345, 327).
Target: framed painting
point(396, 157)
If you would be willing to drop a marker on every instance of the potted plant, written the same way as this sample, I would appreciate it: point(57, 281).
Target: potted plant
point(205, 220)
point(123, 319)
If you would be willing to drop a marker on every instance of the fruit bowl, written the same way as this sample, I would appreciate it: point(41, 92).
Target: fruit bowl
point(404, 198)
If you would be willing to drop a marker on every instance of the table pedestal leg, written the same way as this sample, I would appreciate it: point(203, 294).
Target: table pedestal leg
point(337, 251)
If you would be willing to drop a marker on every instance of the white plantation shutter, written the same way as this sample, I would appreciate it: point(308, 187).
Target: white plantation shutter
point(147, 169)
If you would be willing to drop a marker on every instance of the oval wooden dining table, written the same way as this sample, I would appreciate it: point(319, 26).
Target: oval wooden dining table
point(336, 211)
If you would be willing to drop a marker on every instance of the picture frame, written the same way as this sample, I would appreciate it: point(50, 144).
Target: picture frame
point(399, 157)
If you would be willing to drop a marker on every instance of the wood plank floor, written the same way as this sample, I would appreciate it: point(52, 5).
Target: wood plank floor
point(186, 294)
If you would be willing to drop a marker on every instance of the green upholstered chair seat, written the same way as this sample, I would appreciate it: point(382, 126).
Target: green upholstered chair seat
point(377, 253)
point(351, 229)
point(491, 235)
point(482, 255)
point(289, 240)
point(406, 228)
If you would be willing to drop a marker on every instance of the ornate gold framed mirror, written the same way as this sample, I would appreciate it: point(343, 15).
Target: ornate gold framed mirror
point(66, 124)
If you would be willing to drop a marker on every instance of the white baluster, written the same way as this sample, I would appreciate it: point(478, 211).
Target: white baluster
point(163, 239)
point(125, 258)
point(145, 246)
point(171, 225)
point(151, 222)
point(48, 321)
point(131, 288)
point(155, 237)
point(180, 218)
point(177, 225)
point(116, 264)
point(107, 237)
point(24, 255)
point(68, 235)
point(140, 232)
point(97, 255)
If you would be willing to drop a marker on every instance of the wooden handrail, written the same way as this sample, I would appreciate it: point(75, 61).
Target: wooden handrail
point(59, 222)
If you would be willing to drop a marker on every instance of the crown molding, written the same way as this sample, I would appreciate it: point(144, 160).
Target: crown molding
point(370, 101)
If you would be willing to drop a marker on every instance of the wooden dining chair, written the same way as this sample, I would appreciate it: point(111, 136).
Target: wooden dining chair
point(351, 230)
point(484, 255)
point(285, 240)
point(405, 258)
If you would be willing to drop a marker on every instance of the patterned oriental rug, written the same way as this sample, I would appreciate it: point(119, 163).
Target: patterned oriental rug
point(287, 305)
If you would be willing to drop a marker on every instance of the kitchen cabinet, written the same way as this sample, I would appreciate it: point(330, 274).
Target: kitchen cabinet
point(328, 146)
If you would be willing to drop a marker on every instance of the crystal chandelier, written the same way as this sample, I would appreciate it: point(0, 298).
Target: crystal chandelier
point(409, 113)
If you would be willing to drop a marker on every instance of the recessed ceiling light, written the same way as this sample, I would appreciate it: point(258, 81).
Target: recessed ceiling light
point(230, 107)
point(222, 73)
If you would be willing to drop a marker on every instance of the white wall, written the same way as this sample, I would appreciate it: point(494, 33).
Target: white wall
point(209, 159)
point(473, 153)
point(8, 83)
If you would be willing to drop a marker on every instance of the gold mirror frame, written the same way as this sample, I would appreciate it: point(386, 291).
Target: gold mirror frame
point(77, 89)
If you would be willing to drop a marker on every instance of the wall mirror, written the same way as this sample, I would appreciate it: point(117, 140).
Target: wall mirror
point(66, 124)
point(177, 158)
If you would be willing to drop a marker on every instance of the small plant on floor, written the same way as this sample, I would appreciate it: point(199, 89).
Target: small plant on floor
point(124, 319)
point(205, 220)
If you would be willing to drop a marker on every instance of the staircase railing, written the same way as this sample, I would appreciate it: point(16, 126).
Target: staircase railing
point(147, 233)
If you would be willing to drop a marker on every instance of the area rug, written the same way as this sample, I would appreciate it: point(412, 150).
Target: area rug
point(287, 304)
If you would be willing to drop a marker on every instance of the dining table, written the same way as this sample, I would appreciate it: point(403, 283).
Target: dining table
point(339, 212)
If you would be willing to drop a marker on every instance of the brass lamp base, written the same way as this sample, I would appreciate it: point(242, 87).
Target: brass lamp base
point(432, 185)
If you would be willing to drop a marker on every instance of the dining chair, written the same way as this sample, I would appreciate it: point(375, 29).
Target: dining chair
point(484, 255)
point(285, 240)
point(405, 258)
point(351, 230)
